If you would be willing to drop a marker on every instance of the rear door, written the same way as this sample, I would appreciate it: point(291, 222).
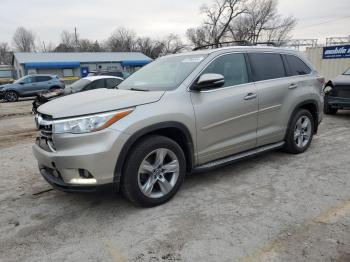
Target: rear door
point(42, 83)
point(226, 117)
point(274, 91)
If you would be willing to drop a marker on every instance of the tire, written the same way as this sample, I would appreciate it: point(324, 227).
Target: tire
point(145, 182)
point(300, 132)
point(11, 96)
point(328, 110)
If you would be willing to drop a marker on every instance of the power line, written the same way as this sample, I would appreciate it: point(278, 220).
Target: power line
point(326, 22)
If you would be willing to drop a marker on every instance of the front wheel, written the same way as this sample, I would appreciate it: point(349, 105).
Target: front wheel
point(11, 96)
point(154, 171)
point(300, 132)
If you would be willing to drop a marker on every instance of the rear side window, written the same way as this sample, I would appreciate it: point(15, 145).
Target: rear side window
point(266, 66)
point(42, 78)
point(95, 85)
point(232, 67)
point(296, 66)
point(112, 82)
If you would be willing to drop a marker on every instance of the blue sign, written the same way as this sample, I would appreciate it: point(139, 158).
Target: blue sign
point(340, 51)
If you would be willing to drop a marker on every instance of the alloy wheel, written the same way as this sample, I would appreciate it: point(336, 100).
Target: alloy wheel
point(158, 173)
point(302, 131)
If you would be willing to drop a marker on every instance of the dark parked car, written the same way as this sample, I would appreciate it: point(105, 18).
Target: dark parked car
point(30, 85)
point(84, 84)
point(337, 93)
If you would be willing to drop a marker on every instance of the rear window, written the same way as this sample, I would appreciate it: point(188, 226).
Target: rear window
point(42, 78)
point(266, 66)
point(296, 66)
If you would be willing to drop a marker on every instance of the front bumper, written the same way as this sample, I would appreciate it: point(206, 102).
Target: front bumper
point(338, 102)
point(2, 94)
point(94, 154)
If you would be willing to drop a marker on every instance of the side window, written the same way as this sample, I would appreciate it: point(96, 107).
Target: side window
point(28, 80)
point(95, 85)
point(266, 66)
point(112, 82)
point(296, 66)
point(42, 78)
point(232, 67)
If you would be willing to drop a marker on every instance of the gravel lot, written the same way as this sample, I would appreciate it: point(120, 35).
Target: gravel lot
point(275, 207)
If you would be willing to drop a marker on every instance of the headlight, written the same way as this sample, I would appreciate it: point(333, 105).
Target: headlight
point(87, 124)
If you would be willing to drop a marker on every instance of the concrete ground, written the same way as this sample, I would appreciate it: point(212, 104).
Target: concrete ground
point(275, 207)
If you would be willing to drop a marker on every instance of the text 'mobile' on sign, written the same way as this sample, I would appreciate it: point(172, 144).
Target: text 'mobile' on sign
point(340, 51)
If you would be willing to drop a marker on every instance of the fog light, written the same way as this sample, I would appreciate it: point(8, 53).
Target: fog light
point(85, 174)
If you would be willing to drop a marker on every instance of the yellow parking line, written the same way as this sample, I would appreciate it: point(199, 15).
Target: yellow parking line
point(115, 253)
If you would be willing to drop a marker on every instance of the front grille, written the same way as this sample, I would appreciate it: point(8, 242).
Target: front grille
point(44, 125)
point(342, 91)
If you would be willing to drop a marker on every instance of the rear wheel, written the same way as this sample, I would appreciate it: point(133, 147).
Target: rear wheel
point(11, 96)
point(300, 132)
point(154, 171)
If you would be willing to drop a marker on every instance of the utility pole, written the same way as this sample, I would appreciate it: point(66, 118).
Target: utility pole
point(76, 39)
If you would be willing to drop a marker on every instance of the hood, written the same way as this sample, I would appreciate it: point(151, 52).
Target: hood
point(342, 80)
point(97, 101)
point(5, 86)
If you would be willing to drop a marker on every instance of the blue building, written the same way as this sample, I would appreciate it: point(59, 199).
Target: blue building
point(72, 66)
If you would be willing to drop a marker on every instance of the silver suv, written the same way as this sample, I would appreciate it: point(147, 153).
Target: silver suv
point(180, 114)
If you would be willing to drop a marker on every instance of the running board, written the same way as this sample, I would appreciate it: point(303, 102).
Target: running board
point(237, 157)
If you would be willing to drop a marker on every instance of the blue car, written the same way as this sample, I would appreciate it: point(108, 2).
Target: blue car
point(30, 85)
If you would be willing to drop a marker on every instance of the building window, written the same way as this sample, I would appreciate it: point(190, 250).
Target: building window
point(68, 72)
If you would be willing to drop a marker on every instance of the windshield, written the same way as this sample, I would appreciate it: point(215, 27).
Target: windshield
point(347, 72)
point(21, 80)
point(166, 73)
point(79, 85)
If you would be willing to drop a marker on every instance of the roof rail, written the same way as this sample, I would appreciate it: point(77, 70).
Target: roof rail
point(235, 43)
point(224, 44)
point(267, 44)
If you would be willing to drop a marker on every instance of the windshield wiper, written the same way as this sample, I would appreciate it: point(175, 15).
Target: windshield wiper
point(139, 89)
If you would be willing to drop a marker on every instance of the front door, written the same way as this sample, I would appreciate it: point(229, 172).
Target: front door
point(226, 117)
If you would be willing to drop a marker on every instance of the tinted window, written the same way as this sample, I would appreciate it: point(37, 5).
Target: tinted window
point(296, 66)
point(95, 85)
point(112, 82)
point(266, 66)
point(232, 67)
point(42, 78)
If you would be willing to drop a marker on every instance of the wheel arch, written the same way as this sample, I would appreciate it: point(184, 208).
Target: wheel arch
point(173, 130)
point(310, 105)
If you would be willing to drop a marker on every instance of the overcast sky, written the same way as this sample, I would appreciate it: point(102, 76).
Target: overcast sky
point(96, 19)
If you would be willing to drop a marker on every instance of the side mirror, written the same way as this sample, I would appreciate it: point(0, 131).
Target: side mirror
point(21, 83)
point(208, 81)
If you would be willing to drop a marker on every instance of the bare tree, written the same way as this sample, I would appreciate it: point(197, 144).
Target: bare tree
point(5, 54)
point(86, 45)
point(261, 22)
point(121, 40)
point(150, 47)
point(172, 44)
point(217, 22)
point(24, 40)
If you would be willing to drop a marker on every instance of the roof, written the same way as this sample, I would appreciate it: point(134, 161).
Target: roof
point(93, 78)
point(238, 48)
point(83, 57)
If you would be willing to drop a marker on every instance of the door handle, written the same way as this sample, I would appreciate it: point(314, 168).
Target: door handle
point(293, 86)
point(250, 96)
